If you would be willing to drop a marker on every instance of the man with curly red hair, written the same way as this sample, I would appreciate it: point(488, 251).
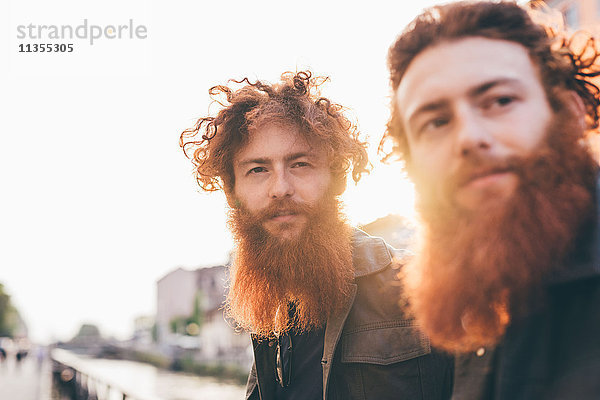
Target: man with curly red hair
point(317, 296)
point(490, 114)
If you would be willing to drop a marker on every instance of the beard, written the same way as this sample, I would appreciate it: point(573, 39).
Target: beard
point(479, 269)
point(310, 273)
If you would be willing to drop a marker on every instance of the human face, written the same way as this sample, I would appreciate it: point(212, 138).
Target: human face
point(467, 105)
point(277, 166)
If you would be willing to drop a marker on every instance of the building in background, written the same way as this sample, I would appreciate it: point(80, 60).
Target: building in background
point(190, 316)
point(175, 296)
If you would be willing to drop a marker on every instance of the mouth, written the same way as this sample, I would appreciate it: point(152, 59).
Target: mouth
point(283, 216)
point(483, 187)
point(485, 176)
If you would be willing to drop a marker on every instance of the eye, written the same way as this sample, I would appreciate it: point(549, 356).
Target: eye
point(256, 170)
point(499, 102)
point(434, 124)
point(504, 100)
point(300, 164)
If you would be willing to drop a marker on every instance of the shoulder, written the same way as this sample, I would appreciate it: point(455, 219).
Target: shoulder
point(372, 255)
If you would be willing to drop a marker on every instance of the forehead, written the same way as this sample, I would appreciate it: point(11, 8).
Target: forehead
point(274, 142)
point(450, 69)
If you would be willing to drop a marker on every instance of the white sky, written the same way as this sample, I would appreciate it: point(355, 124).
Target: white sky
point(97, 200)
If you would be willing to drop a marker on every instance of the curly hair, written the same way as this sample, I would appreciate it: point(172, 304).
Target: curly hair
point(294, 102)
point(562, 64)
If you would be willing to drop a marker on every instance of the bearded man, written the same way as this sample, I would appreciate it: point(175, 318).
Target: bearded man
point(489, 114)
point(317, 296)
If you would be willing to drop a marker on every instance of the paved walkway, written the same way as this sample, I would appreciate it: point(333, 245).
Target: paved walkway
point(27, 381)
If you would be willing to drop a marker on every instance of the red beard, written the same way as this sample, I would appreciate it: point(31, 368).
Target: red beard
point(313, 270)
point(478, 269)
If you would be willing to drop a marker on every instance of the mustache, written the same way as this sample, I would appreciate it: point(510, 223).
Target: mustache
point(478, 166)
point(283, 207)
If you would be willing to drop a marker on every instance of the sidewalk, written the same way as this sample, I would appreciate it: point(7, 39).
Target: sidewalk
point(26, 381)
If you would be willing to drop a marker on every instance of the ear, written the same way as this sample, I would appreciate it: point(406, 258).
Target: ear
point(338, 184)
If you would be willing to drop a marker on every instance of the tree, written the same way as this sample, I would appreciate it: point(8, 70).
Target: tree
point(88, 332)
point(8, 314)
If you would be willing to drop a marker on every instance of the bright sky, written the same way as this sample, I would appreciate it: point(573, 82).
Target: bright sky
point(97, 201)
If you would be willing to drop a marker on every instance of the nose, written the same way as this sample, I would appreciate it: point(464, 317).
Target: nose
point(280, 185)
point(473, 134)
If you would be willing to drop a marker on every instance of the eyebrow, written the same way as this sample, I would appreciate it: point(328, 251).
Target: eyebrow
point(481, 89)
point(474, 92)
point(428, 107)
point(264, 160)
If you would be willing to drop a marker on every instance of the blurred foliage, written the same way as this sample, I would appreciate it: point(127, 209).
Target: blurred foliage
point(158, 360)
point(233, 373)
point(186, 363)
point(189, 325)
point(155, 332)
point(9, 315)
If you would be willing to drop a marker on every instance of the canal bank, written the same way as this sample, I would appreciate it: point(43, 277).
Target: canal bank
point(110, 378)
point(185, 362)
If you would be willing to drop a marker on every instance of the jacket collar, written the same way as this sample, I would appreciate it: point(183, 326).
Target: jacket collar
point(369, 254)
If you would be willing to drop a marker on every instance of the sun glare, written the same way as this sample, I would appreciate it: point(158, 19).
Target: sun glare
point(385, 191)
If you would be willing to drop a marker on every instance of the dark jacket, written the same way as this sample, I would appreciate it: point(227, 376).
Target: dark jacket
point(372, 349)
point(552, 353)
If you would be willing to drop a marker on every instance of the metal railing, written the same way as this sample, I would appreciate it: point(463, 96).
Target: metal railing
point(73, 380)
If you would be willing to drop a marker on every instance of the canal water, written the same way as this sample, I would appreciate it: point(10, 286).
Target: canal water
point(148, 382)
